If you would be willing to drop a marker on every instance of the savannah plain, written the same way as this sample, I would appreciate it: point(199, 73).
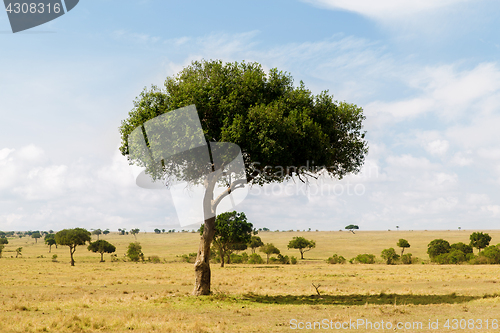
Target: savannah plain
point(39, 295)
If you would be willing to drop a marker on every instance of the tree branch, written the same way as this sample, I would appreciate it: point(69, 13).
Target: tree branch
point(235, 185)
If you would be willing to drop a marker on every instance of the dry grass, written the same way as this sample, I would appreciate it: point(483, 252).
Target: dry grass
point(38, 295)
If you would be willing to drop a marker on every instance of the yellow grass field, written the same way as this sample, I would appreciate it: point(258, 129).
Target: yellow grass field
point(39, 295)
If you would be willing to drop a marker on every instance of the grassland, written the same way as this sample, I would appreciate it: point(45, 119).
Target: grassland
point(39, 295)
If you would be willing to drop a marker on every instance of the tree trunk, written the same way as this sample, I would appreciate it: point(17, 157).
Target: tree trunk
point(301, 254)
point(102, 256)
point(202, 264)
point(71, 254)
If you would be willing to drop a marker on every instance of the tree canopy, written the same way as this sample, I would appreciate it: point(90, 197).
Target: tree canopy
point(479, 240)
point(437, 247)
point(269, 249)
point(73, 238)
point(302, 244)
point(282, 130)
point(102, 247)
point(50, 239)
point(403, 243)
point(255, 242)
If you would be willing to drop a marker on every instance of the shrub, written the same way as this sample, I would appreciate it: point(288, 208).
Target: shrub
point(293, 260)
point(239, 259)
point(134, 252)
point(364, 259)
point(54, 257)
point(255, 258)
point(336, 259)
point(492, 254)
point(390, 256)
point(437, 247)
point(191, 258)
point(283, 259)
point(407, 259)
point(453, 257)
point(154, 259)
point(465, 248)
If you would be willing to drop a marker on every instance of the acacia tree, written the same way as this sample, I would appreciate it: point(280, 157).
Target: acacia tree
point(232, 230)
point(135, 232)
point(102, 247)
point(479, 240)
point(278, 127)
point(403, 243)
point(36, 235)
point(73, 238)
point(50, 239)
point(97, 232)
point(255, 242)
point(269, 249)
point(302, 244)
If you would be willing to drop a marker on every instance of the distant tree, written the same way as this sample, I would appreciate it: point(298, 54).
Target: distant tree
point(4, 240)
point(18, 251)
point(437, 247)
point(231, 229)
point(105, 232)
point(135, 232)
point(255, 242)
point(121, 231)
point(3, 234)
point(102, 247)
point(302, 244)
point(269, 249)
point(157, 231)
point(163, 230)
point(134, 251)
point(1, 249)
point(73, 238)
point(403, 243)
point(50, 240)
point(36, 235)
point(479, 240)
point(51, 231)
point(397, 227)
point(492, 254)
point(97, 232)
point(390, 256)
point(352, 227)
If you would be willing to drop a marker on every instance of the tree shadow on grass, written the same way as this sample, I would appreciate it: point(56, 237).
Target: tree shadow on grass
point(357, 299)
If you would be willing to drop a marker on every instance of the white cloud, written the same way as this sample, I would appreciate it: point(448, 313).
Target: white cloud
point(386, 9)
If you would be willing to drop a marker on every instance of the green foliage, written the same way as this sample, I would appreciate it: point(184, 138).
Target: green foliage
point(283, 259)
point(36, 235)
point(492, 254)
point(336, 259)
point(255, 242)
point(154, 259)
point(1, 249)
point(403, 243)
point(364, 259)
point(390, 256)
point(72, 238)
point(407, 259)
point(191, 258)
point(437, 247)
point(269, 249)
point(4, 240)
point(135, 232)
point(18, 251)
point(232, 232)
point(50, 239)
point(239, 259)
point(54, 257)
point(274, 122)
point(105, 232)
point(452, 257)
point(352, 227)
point(462, 247)
point(302, 244)
point(293, 260)
point(102, 247)
point(479, 240)
point(255, 258)
point(134, 252)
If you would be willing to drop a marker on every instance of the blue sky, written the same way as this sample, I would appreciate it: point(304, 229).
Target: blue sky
point(426, 73)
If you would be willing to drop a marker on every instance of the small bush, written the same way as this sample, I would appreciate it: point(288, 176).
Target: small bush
point(406, 259)
point(191, 258)
point(283, 259)
point(364, 259)
point(54, 258)
point(293, 260)
point(154, 259)
point(114, 258)
point(492, 255)
point(453, 257)
point(255, 258)
point(239, 259)
point(390, 256)
point(336, 259)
